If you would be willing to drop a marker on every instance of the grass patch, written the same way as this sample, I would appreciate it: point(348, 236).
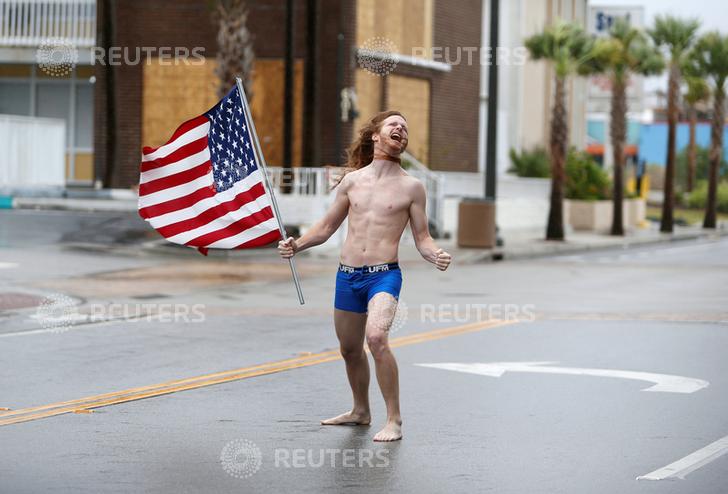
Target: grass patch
point(683, 216)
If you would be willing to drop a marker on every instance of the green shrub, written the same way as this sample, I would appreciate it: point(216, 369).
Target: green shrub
point(699, 196)
point(534, 163)
point(585, 180)
point(702, 164)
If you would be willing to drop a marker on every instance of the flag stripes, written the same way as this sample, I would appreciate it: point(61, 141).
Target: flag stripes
point(203, 188)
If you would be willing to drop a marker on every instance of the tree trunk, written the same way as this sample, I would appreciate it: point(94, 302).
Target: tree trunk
point(108, 35)
point(716, 153)
point(668, 203)
point(235, 54)
point(558, 142)
point(618, 130)
point(692, 151)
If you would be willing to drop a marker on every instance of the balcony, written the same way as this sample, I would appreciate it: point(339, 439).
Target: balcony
point(28, 23)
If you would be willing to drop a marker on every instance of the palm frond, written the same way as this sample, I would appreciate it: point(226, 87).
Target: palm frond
point(677, 35)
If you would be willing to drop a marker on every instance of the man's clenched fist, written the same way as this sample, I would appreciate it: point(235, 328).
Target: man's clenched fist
point(443, 259)
point(287, 248)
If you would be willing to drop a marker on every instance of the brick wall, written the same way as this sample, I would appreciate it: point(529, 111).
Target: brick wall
point(413, 100)
point(188, 23)
point(449, 140)
point(455, 98)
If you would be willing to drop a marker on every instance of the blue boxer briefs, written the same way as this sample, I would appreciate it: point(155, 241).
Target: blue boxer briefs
point(356, 286)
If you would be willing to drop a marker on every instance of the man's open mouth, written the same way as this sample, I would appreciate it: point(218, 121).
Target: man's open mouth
point(396, 137)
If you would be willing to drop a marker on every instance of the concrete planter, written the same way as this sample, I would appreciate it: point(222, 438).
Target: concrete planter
point(636, 212)
point(596, 216)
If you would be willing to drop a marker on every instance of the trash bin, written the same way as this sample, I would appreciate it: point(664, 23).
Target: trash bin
point(476, 223)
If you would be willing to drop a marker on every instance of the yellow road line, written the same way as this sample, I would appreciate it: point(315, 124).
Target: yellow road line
point(138, 393)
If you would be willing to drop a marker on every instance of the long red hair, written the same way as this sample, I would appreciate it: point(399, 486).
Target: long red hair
point(361, 151)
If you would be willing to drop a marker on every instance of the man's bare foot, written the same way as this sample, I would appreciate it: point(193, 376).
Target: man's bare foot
point(391, 432)
point(349, 418)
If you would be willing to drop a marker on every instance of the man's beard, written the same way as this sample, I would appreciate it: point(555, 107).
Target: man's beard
point(381, 155)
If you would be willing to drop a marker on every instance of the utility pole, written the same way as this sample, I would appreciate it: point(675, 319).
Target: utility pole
point(476, 216)
point(288, 102)
point(492, 126)
point(311, 114)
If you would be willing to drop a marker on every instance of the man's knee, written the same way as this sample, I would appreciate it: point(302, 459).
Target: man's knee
point(377, 342)
point(351, 352)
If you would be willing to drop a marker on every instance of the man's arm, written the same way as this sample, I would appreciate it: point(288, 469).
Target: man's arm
point(324, 228)
point(421, 232)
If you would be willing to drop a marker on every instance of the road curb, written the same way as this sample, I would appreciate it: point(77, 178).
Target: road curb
point(627, 243)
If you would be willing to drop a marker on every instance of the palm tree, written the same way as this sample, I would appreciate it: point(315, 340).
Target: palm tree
point(568, 48)
point(697, 92)
point(625, 52)
point(710, 57)
point(234, 46)
point(676, 36)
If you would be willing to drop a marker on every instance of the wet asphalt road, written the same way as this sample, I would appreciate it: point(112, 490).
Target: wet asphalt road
point(659, 309)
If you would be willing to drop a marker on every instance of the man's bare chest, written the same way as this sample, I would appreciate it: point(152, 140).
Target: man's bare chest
point(379, 200)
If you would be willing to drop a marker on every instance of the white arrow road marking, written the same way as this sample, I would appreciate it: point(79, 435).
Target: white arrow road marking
point(690, 463)
point(6, 265)
point(664, 383)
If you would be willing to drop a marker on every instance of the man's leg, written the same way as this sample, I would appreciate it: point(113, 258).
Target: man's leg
point(382, 308)
point(350, 331)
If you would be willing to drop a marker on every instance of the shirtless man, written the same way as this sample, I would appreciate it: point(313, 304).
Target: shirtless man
point(379, 198)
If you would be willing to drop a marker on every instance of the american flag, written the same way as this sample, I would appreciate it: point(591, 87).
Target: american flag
point(204, 188)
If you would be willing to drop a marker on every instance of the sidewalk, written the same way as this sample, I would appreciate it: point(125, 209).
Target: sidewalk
point(524, 245)
point(517, 245)
point(115, 200)
point(528, 245)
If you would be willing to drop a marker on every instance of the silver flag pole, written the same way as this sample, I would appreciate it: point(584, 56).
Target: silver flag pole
point(259, 154)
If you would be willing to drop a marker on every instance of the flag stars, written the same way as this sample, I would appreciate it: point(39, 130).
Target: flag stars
point(230, 142)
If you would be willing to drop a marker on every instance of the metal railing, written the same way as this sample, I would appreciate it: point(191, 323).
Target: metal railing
point(434, 189)
point(317, 182)
point(303, 181)
point(33, 22)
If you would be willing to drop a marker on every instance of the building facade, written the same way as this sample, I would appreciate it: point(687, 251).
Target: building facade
point(29, 87)
point(438, 80)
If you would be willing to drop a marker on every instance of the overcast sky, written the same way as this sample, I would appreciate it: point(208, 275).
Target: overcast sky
point(712, 14)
